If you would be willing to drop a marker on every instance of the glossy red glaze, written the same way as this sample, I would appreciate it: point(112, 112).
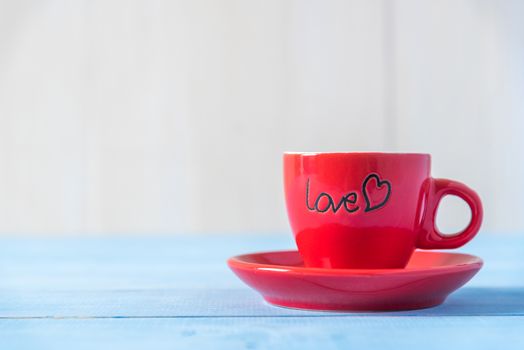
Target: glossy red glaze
point(368, 210)
point(427, 280)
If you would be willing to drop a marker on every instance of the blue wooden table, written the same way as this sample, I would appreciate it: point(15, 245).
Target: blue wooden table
point(177, 292)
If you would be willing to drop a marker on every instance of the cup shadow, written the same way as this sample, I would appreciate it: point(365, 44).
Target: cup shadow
point(477, 301)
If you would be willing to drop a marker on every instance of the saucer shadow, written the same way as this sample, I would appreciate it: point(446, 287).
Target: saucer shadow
point(478, 302)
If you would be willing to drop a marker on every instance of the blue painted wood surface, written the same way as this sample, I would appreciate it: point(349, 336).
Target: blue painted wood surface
point(176, 292)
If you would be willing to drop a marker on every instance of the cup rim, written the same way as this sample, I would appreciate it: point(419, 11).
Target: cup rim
point(307, 153)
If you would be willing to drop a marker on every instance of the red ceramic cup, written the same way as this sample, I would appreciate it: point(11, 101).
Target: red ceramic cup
point(369, 210)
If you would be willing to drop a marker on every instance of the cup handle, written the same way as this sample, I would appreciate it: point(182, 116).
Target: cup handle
point(430, 237)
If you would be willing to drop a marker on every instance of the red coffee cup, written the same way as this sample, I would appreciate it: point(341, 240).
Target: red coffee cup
point(369, 210)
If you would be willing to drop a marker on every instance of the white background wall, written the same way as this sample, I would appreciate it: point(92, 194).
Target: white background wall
point(171, 116)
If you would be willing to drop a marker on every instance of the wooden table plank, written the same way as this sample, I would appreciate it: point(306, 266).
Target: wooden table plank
point(469, 301)
point(301, 333)
point(187, 261)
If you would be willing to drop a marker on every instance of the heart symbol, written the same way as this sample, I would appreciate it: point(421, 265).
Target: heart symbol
point(380, 184)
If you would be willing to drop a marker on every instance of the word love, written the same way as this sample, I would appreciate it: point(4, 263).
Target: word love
point(371, 186)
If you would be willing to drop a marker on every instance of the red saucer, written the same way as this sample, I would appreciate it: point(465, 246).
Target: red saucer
point(427, 280)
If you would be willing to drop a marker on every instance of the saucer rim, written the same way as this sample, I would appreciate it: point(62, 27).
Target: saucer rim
point(237, 261)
